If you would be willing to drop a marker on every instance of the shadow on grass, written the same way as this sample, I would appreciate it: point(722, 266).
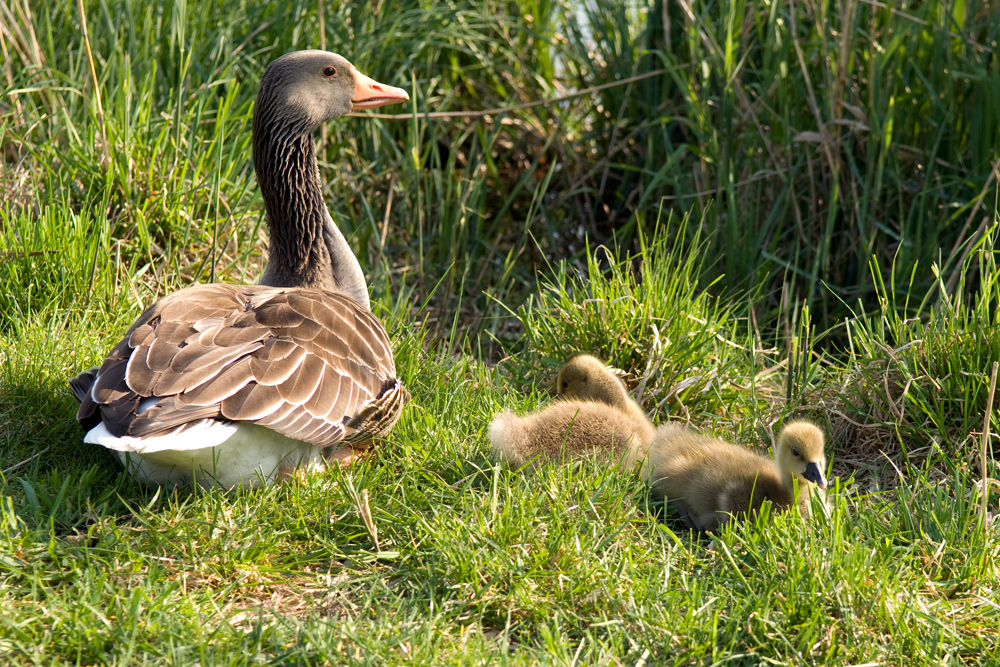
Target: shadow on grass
point(49, 478)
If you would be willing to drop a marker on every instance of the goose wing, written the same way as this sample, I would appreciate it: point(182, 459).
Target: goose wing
point(309, 364)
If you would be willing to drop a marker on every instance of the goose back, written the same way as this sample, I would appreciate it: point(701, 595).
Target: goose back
point(313, 366)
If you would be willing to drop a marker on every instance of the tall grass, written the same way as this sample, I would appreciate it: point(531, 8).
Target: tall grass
point(647, 315)
point(828, 133)
point(925, 378)
point(825, 134)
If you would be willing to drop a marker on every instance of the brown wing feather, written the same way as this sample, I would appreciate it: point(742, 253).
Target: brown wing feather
point(166, 415)
point(197, 355)
point(251, 403)
point(230, 380)
point(81, 386)
point(325, 396)
point(302, 362)
point(109, 384)
point(300, 386)
point(277, 362)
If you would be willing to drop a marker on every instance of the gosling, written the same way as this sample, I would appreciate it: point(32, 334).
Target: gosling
point(586, 378)
point(594, 415)
point(709, 480)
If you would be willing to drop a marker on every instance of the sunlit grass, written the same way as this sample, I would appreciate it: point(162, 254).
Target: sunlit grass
point(824, 135)
point(469, 562)
point(797, 218)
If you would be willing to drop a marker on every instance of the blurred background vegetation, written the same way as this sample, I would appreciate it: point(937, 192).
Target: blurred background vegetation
point(755, 208)
point(804, 139)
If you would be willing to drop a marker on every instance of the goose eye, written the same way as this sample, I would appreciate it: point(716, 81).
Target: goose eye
point(565, 384)
point(329, 71)
point(796, 454)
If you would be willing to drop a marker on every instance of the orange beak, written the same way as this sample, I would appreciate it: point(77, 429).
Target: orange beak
point(369, 93)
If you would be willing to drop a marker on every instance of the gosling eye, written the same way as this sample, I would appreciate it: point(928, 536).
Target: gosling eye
point(329, 71)
point(565, 384)
point(795, 453)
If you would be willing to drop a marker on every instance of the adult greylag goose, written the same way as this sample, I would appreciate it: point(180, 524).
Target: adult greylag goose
point(595, 415)
point(240, 384)
point(709, 480)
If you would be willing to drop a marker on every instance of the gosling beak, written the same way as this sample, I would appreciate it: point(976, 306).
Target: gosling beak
point(814, 475)
point(369, 93)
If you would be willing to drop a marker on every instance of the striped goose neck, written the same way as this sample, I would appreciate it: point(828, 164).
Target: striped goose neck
point(306, 248)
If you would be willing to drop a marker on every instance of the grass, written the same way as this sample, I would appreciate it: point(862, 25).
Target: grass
point(813, 169)
point(797, 218)
point(466, 562)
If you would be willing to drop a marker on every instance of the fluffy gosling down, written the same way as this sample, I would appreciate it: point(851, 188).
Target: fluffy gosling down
point(594, 415)
point(709, 480)
point(586, 378)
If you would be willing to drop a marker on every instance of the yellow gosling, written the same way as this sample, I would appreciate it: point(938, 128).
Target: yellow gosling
point(566, 430)
point(586, 378)
point(709, 480)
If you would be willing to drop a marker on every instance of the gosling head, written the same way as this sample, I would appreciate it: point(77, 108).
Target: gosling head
point(799, 453)
point(586, 378)
point(311, 87)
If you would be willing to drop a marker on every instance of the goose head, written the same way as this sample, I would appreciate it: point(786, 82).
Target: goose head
point(299, 91)
point(799, 455)
point(586, 378)
point(312, 87)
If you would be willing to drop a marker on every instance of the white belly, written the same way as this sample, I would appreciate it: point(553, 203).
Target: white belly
point(209, 453)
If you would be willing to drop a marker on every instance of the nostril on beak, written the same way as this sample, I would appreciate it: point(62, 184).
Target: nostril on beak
point(379, 88)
